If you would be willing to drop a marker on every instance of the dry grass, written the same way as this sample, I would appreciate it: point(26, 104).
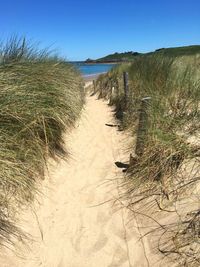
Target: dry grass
point(41, 97)
point(160, 178)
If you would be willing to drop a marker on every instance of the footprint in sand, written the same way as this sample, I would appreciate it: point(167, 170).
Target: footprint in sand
point(103, 218)
point(119, 257)
point(101, 242)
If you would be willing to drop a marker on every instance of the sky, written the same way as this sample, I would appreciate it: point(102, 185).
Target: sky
point(91, 29)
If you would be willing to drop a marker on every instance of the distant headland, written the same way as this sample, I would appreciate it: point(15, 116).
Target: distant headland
point(130, 55)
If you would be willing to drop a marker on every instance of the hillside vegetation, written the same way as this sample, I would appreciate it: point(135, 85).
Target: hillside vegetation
point(131, 56)
point(162, 182)
point(179, 51)
point(41, 97)
point(126, 56)
point(116, 57)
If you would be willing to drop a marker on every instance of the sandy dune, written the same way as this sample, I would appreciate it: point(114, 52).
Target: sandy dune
point(70, 225)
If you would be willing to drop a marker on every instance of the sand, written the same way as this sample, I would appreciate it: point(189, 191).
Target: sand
point(78, 221)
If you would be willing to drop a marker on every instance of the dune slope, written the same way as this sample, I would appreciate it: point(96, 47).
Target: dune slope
point(78, 221)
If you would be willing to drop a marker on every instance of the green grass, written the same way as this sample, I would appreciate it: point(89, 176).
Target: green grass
point(41, 98)
point(179, 51)
point(131, 56)
point(158, 176)
point(126, 56)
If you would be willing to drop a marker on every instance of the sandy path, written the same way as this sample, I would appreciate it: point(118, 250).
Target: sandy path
point(69, 226)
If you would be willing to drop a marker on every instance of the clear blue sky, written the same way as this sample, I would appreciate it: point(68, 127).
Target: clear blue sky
point(82, 29)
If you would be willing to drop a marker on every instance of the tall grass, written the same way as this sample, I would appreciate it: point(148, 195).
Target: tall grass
point(41, 97)
point(169, 167)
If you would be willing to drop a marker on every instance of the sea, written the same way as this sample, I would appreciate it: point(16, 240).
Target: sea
point(88, 70)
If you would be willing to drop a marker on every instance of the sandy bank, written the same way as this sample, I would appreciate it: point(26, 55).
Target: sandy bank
point(79, 221)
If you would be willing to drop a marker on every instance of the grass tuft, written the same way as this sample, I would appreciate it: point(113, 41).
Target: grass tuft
point(41, 97)
point(162, 176)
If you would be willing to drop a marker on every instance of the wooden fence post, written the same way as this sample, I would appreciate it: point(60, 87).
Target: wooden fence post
point(126, 88)
point(100, 89)
point(142, 126)
point(94, 86)
point(117, 86)
point(110, 88)
point(112, 95)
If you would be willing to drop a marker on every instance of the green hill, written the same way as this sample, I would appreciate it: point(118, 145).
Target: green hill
point(126, 56)
point(130, 56)
point(116, 57)
point(178, 51)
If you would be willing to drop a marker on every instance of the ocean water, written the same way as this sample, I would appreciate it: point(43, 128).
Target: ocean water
point(92, 69)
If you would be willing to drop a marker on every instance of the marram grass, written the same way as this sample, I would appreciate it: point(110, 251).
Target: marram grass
point(170, 166)
point(41, 97)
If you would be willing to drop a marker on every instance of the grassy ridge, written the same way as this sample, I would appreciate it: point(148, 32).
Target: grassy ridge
point(179, 51)
point(169, 166)
point(131, 56)
point(126, 56)
point(41, 97)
